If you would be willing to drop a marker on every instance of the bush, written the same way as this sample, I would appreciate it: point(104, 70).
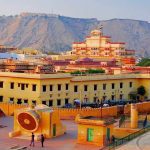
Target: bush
point(141, 90)
point(90, 71)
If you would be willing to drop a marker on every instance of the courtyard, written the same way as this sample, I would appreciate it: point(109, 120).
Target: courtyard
point(64, 142)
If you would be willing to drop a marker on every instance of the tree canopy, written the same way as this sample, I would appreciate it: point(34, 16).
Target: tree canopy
point(90, 71)
point(144, 62)
point(141, 90)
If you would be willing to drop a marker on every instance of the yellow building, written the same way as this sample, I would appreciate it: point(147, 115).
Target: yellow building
point(94, 130)
point(62, 88)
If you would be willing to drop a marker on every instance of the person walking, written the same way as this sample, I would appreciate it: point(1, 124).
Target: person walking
point(32, 139)
point(42, 140)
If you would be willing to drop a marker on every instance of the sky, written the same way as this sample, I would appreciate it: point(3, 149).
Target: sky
point(100, 9)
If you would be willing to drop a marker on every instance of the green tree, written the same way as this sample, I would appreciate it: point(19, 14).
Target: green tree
point(141, 91)
point(92, 71)
point(144, 62)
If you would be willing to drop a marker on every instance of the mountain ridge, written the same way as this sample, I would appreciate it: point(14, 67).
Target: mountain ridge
point(51, 32)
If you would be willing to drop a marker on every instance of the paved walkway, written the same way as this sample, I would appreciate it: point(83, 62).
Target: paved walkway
point(140, 143)
point(64, 142)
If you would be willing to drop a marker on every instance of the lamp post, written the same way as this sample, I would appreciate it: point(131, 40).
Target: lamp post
point(81, 91)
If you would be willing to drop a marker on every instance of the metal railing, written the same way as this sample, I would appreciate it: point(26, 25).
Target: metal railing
point(126, 139)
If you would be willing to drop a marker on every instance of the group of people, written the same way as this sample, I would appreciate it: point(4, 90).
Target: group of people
point(32, 140)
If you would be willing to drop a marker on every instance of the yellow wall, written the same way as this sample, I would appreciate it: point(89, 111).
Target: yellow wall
point(99, 134)
point(143, 107)
point(96, 112)
point(123, 132)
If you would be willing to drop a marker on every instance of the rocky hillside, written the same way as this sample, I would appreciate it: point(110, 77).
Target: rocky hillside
point(56, 33)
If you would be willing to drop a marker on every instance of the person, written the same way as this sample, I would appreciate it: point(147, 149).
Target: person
point(42, 140)
point(32, 139)
point(113, 139)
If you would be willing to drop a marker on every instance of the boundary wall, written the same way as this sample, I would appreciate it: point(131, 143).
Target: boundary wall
point(70, 113)
point(95, 112)
point(66, 113)
point(9, 109)
point(143, 107)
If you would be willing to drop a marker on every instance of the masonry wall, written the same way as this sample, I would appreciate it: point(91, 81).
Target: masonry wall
point(143, 107)
point(66, 113)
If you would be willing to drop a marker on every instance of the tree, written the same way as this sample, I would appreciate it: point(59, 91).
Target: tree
point(141, 91)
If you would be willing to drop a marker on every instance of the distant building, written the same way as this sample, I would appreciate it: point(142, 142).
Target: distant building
point(100, 47)
point(10, 65)
point(12, 56)
point(4, 49)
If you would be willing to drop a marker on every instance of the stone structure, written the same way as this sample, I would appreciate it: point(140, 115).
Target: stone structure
point(94, 130)
point(39, 120)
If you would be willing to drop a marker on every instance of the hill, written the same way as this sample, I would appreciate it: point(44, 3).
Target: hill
point(56, 33)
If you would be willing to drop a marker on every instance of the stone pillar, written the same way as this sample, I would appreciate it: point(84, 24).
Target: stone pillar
point(134, 116)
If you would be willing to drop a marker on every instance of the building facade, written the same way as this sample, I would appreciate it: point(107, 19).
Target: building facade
point(59, 89)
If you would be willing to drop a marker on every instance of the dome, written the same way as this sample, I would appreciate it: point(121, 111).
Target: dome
point(95, 32)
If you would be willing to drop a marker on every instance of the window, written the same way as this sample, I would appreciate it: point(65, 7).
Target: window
point(104, 86)
point(112, 85)
point(44, 102)
point(58, 102)
point(66, 100)
point(44, 88)
point(67, 86)
point(18, 84)
point(85, 88)
point(34, 102)
point(104, 98)
point(1, 84)
point(121, 85)
point(59, 87)
point(19, 101)
point(95, 99)
point(75, 88)
point(121, 96)
point(130, 84)
point(95, 87)
point(12, 85)
point(113, 97)
point(22, 86)
point(26, 85)
point(34, 87)
point(1, 98)
point(51, 87)
point(25, 101)
point(50, 102)
point(11, 100)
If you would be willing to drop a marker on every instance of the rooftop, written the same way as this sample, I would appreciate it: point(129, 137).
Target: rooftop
point(74, 78)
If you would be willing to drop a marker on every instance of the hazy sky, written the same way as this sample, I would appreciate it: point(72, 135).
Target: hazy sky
point(101, 9)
